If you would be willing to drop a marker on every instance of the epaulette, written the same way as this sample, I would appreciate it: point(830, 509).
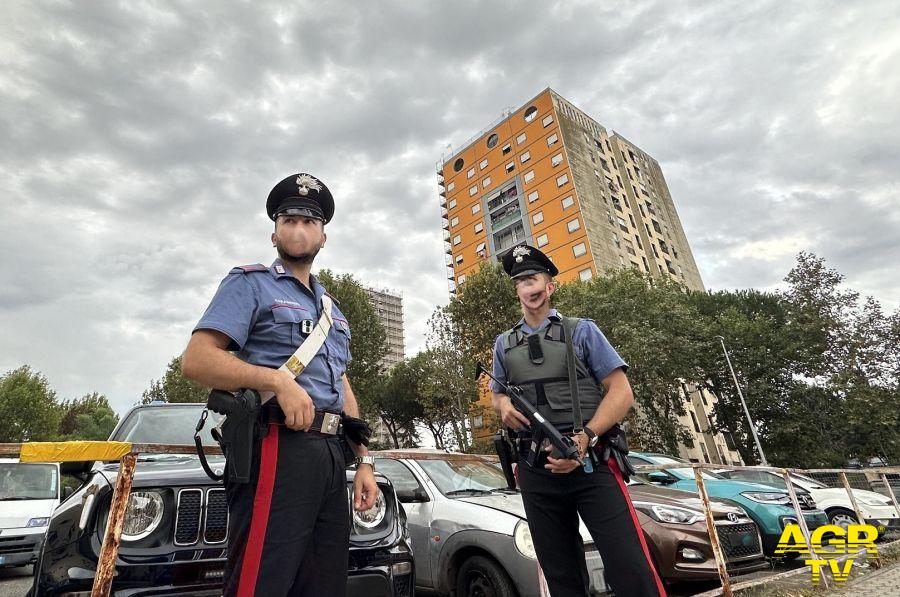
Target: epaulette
point(334, 300)
point(246, 269)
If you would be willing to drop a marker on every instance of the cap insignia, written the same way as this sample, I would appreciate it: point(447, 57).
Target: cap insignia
point(305, 182)
point(520, 252)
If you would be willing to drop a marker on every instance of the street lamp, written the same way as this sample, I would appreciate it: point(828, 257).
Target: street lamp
point(762, 455)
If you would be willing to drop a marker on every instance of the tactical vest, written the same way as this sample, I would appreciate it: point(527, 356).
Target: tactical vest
point(537, 363)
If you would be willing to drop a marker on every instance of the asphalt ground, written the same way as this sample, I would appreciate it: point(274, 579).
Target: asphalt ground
point(15, 582)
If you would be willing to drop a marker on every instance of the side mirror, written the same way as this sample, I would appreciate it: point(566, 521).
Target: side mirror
point(659, 477)
point(409, 496)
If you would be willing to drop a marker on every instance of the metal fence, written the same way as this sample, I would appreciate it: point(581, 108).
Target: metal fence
point(883, 480)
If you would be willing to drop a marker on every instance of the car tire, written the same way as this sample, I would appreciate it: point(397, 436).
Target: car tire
point(482, 577)
point(842, 517)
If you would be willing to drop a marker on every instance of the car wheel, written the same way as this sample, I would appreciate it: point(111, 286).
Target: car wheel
point(842, 518)
point(482, 577)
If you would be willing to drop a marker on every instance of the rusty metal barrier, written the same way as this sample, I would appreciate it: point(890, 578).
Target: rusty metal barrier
point(883, 475)
point(106, 564)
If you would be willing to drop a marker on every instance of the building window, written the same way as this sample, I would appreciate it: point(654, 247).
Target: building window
point(537, 218)
point(694, 421)
point(542, 240)
point(547, 121)
point(530, 113)
point(473, 191)
point(568, 202)
point(552, 139)
point(622, 224)
point(532, 196)
point(462, 280)
point(529, 176)
point(492, 141)
point(573, 225)
point(579, 250)
point(486, 182)
point(629, 247)
point(458, 165)
point(452, 204)
point(585, 275)
point(457, 239)
point(521, 139)
point(507, 148)
point(561, 180)
point(459, 259)
point(510, 167)
point(556, 160)
point(480, 248)
point(454, 221)
point(470, 173)
point(451, 186)
point(656, 226)
point(479, 227)
point(483, 164)
point(525, 157)
point(476, 208)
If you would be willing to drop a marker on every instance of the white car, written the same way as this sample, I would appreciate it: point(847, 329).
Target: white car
point(28, 495)
point(877, 509)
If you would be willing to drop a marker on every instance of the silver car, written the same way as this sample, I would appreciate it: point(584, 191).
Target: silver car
point(469, 532)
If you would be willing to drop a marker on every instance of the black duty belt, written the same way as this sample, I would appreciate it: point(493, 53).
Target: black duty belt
point(324, 422)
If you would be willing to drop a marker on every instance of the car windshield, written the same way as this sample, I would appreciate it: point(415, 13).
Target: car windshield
point(683, 472)
point(28, 481)
point(166, 425)
point(459, 477)
point(807, 482)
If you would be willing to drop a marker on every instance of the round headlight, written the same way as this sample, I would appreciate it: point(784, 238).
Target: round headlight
point(371, 518)
point(524, 543)
point(143, 515)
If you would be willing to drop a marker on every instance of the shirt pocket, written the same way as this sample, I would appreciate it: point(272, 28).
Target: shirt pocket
point(286, 327)
point(338, 349)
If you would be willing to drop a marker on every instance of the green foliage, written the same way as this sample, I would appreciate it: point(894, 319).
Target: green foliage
point(28, 408)
point(174, 387)
point(87, 418)
point(367, 335)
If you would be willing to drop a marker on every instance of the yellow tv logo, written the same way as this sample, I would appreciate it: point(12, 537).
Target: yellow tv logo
point(838, 542)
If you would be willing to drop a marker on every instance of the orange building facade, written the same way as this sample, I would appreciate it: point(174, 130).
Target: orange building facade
point(549, 175)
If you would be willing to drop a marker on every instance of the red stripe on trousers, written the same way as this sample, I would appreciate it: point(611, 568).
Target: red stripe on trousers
point(637, 525)
point(262, 501)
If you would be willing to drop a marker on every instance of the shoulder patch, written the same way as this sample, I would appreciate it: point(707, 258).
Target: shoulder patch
point(246, 269)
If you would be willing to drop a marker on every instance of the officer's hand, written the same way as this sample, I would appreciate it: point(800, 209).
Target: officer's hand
point(365, 489)
point(511, 417)
point(581, 440)
point(298, 408)
point(561, 465)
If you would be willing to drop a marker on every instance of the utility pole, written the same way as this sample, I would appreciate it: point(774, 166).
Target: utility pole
point(762, 455)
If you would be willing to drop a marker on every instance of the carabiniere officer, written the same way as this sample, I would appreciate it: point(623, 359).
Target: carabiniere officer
point(289, 532)
point(555, 491)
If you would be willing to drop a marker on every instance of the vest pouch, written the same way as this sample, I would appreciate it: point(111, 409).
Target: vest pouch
point(556, 403)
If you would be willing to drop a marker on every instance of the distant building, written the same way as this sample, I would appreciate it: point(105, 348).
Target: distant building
point(389, 307)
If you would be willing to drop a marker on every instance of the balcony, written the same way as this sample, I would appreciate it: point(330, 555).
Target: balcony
point(506, 220)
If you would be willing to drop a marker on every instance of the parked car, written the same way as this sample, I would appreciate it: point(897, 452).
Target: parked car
point(876, 509)
point(28, 495)
point(769, 507)
point(675, 525)
point(469, 533)
point(174, 537)
point(457, 498)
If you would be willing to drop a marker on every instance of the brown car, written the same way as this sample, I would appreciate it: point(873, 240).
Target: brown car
point(676, 525)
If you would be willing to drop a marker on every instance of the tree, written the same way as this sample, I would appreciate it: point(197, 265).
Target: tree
point(174, 387)
point(394, 400)
point(367, 335)
point(87, 418)
point(28, 407)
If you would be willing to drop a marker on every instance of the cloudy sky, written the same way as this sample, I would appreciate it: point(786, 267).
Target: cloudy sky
point(141, 139)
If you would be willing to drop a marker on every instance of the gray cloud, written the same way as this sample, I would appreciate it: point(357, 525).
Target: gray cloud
point(143, 139)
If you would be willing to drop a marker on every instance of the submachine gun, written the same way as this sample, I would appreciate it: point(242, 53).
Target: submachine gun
point(541, 431)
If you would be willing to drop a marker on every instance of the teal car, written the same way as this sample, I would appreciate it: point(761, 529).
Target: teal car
point(770, 508)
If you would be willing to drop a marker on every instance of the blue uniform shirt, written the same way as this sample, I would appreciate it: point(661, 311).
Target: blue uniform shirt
point(262, 311)
point(591, 347)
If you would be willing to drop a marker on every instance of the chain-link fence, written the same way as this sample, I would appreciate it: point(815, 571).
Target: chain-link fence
point(810, 499)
